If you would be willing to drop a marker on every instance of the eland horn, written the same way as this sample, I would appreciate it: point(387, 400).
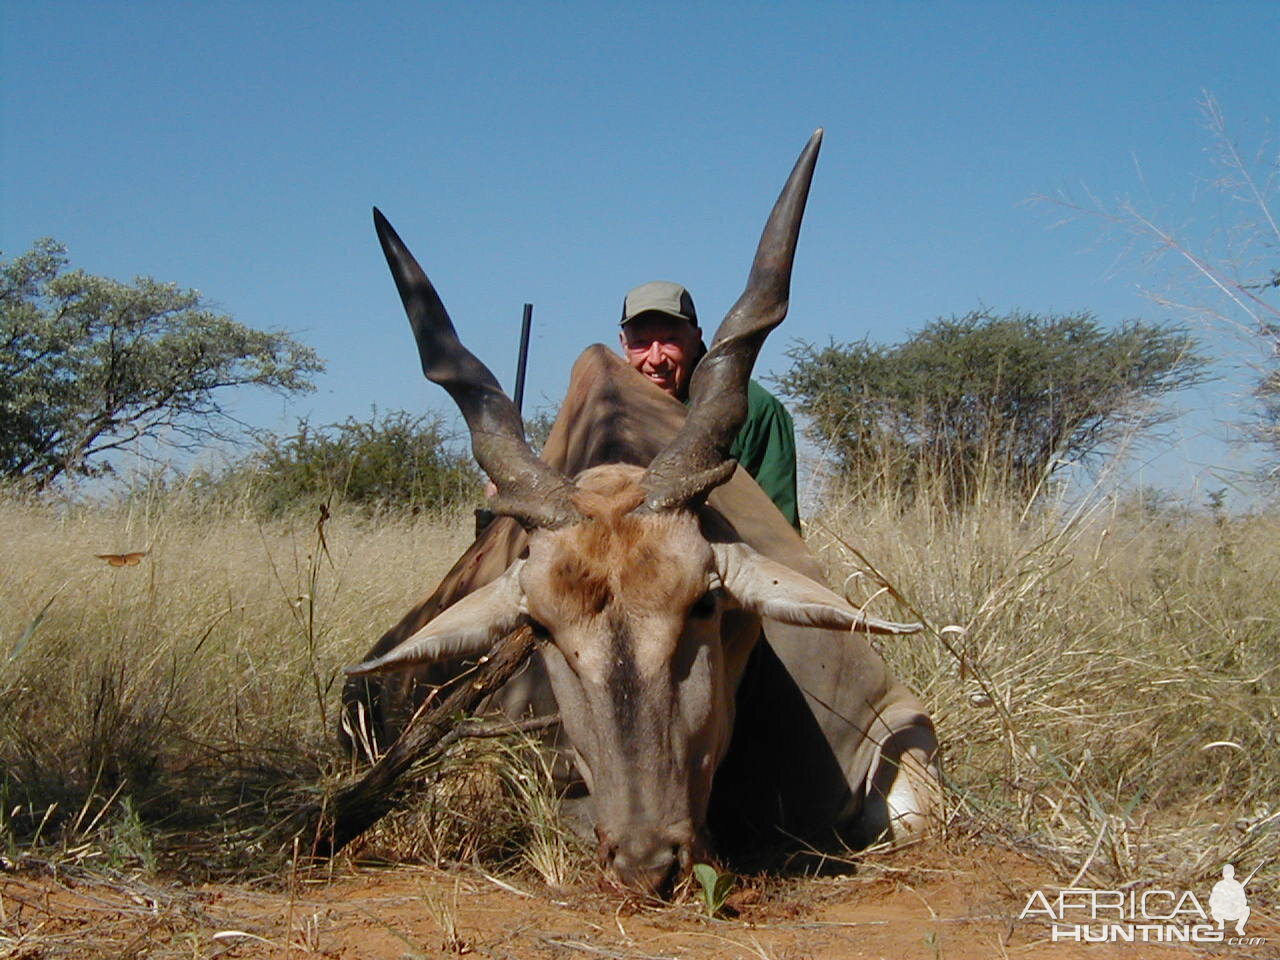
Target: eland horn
point(697, 458)
point(528, 489)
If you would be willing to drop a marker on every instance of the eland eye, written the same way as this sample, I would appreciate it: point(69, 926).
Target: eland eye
point(705, 605)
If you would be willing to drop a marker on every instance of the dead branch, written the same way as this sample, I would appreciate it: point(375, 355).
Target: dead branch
point(328, 825)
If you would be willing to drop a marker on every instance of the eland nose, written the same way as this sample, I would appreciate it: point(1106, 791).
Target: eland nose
point(647, 865)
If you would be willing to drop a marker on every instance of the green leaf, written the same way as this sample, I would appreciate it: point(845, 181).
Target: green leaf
point(715, 887)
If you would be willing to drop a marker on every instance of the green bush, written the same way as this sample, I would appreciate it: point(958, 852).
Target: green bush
point(395, 460)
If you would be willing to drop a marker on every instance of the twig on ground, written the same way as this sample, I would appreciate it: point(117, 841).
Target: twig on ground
point(328, 825)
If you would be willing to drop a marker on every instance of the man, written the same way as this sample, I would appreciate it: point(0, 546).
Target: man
point(660, 337)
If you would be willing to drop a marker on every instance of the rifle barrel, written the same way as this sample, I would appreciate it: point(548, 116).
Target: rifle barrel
point(523, 359)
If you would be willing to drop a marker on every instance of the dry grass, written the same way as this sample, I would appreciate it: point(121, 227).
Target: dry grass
point(197, 681)
point(1106, 683)
point(1109, 703)
point(491, 801)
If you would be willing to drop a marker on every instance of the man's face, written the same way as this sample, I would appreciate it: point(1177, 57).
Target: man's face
point(663, 348)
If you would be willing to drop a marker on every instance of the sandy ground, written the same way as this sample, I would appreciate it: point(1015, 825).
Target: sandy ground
point(933, 901)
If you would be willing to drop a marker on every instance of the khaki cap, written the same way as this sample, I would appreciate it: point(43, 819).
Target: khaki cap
point(659, 296)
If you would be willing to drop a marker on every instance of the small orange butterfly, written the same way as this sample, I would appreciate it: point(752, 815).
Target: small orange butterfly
point(122, 559)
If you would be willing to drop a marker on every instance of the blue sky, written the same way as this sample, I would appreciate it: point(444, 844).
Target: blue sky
point(561, 153)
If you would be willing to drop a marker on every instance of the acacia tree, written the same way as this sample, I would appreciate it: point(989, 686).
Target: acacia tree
point(89, 365)
point(978, 401)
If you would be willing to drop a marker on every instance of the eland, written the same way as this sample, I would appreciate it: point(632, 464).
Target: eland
point(714, 695)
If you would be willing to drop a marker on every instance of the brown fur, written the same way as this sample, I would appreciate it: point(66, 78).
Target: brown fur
point(639, 562)
point(610, 495)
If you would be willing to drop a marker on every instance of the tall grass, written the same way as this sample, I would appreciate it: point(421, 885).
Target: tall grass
point(1105, 681)
point(202, 678)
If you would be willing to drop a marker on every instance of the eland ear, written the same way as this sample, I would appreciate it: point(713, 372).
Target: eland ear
point(769, 589)
point(469, 628)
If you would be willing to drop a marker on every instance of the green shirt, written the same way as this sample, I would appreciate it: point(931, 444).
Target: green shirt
point(766, 449)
